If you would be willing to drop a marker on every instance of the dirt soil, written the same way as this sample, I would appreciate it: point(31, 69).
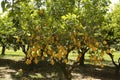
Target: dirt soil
point(44, 71)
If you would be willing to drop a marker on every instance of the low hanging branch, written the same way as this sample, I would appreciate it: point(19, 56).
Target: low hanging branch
point(116, 65)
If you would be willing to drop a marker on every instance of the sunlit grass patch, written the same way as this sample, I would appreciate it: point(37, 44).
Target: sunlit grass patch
point(11, 54)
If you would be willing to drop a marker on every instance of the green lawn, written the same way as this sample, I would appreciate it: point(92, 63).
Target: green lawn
point(17, 55)
point(116, 56)
point(107, 59)
point(14, 55)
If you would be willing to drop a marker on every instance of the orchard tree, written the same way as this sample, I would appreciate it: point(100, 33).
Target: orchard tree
point(16, 34)
point(64, 34)
point(113, 34)
point(6, 30)
point(91, 14)
point(54, 28)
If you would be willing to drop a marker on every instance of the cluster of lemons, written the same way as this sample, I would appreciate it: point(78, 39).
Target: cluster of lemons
point(34, 54)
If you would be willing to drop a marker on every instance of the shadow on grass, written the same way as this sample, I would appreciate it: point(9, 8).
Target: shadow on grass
point(45, 71)
point(106, 73)
point(41, 71)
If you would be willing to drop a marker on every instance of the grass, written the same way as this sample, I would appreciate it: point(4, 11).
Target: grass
point(116, 56)
point(107, 60)
point(17, 55)
point(13, 55)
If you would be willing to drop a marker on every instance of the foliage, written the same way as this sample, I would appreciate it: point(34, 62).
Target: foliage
point(53, 28)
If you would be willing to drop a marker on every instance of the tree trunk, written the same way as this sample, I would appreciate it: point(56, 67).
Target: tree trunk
point(25, 49)
point(3, 50)
point(117, 66)
point(82, 58)
point(66, 71)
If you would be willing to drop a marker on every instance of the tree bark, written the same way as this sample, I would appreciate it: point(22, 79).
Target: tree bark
point(82, 58)
point(3, 50)
point(66, 71)
point(116, 65)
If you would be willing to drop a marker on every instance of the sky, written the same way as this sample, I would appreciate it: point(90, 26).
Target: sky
point(113, 2)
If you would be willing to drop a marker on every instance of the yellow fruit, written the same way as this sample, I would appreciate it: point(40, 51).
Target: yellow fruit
point(65, 61)
point(90, 46)
point(104, 42)
point(42, 58)
point(98, 60)
point(101, 53)
point(52, 62)
point(45, 53)
point(36, 61)
point(34, 49)
point(70, 46)
point(39, 53)
point(97, 44)
point(28, 55)
point(28, 61)
point(31, 57)
point(78, 44)
point(28, 52)
point(65, 52)
point(102, 66)
point(94, 58)
point(108, 51)
point(59, 58)
point(91, 59)
point(51, 57)
point(94, 49)
point(49, 52)
point(53, 54)
point(95, 62)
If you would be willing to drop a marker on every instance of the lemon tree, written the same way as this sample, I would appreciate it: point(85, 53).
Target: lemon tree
point(52, 29)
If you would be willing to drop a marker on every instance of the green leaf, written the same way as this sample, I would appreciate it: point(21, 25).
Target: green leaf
point(3, 5)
